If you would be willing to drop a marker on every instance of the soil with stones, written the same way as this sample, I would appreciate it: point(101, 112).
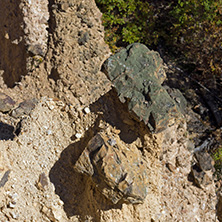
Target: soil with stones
point(66, 100)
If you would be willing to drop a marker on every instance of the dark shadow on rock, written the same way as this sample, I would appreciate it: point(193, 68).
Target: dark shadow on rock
point(12, 44)
point(77, 191)
point(6, 132)
point(116, 114)
point(219, 206)
point(52, 23)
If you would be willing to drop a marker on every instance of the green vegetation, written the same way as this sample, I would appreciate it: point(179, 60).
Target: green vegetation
point(217, 156)
point(197, 32)
point(127, 21)
point(190, 28)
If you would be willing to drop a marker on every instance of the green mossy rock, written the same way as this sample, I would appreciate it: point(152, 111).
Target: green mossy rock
point(137, 74)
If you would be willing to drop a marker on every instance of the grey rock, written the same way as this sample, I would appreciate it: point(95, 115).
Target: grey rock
point(200, 177)
point(84, 37)
point(137, 74)
point(204, 161)
point(4, 179)
point(178, 98)
point(6, 103)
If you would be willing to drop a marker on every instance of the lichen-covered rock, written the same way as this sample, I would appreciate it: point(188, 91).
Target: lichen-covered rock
point(118, 172)
point(137, 74)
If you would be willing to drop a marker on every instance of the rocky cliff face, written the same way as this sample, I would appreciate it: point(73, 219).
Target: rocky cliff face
point(70, 149)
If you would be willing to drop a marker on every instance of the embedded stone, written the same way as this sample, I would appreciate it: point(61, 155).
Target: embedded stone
point(24, 108)
point(117, 171)
point(6, 102)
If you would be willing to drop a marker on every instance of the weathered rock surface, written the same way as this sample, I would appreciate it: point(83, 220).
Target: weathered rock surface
point(201, 178)
point(12, 45)
point(182, 199)
point(137, 74)
point(6, 103)
point(118, 171)
point(204, 161)
point(36, 36)
point(202, 170)
point(24, 108)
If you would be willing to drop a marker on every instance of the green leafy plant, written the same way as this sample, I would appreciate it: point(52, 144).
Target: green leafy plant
point(217, 156)
point(193, 28)
point(196, 30)
point(127, 21)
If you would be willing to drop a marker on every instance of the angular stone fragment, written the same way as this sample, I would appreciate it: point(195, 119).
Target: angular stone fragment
point(118, 172)
point(137, 74)
point(205, 161)
point(24, 108)
point(200, 177)
point(202, 171)
point(6, 103)
point(4, 179)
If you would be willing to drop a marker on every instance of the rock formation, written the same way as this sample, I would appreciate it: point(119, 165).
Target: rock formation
point(117, 170)
point(137, 74)
point(53, 111)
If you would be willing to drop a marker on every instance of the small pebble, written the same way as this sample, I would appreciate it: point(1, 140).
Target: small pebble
point(14, 196)
point(171, 167)
point(78, 135)
point(49, 132)
point(45, 127)
point(87, 110)
point(14, 215)
point(112, 142)
point(12, 204)
point(51, 107)
point(43, 181)
point(60, 203)
point(5, 178)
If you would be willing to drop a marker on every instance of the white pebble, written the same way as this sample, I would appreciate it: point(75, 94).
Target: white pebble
point(15, 196)
point(45, 127)
point(87, 110)
point(14, 215)
point(78, 135)
point(49, 132)
point(11, 204)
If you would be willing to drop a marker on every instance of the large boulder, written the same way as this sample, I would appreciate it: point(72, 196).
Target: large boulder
point(137, 74)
